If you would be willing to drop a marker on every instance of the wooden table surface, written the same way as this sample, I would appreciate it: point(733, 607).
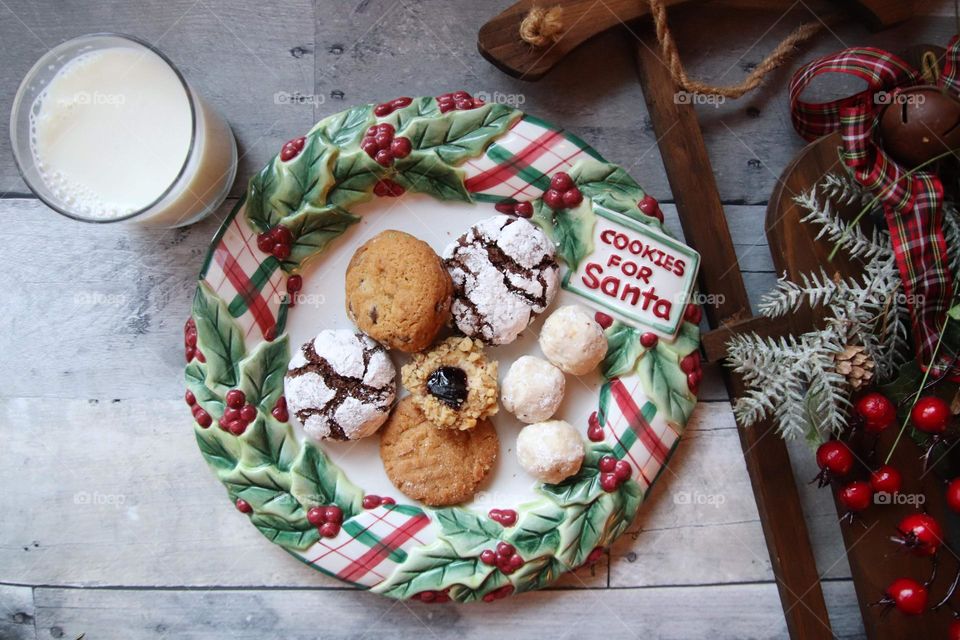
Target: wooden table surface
point(110, 523)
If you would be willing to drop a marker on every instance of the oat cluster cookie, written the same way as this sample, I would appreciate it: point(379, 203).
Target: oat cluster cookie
point(504, 273)
point(398, 291)
point(453, 384)
point(439, 467)
point(340, 385)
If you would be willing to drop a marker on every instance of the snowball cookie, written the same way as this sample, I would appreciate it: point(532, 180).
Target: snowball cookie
point(551, 451)
point(340, 385)
point(572, 340)
point(398, 291)
point(504, 274)
point(533, 389)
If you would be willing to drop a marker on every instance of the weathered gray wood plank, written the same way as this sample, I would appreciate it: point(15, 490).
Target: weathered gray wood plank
point(16, 613)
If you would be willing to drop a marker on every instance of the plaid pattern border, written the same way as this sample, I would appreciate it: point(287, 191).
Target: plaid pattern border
point(372, 544)
point(518, 166)
point(251, 282)
point(912, 200)
point(632, 426)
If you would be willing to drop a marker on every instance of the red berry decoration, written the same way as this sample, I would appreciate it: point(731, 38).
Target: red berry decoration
point(498, 594)
point(506, 517)
point(248, 413)
point(953, 494)
point(571, 198)
point(563, 193)
point(622, 470)
point(333, 514)
point(595, 555)
point(553, 199)
point(279, 410)
point(457, 100)
point(607, 464)
point(930, 415)
point(190, 350)
point(523, 209)
point(920, 533)
point(488, 557)
point(877, 411)
point(561, 181)
point(387, 500)
point(693, 313)
point(608, 482)
point(329, 529)
point(294, 283)
point(605, 321)
point(400, 147)
point(649, 206)
point(856, 496)
point(292, 148)
point(886, 479)
point(386, 188)
point(315, 516)
point(203, 418)
point(235, 398)
point(907, 595)
point(835, 461)
point(190, 398)
point(649, 340)
point(371, 501)
point(594, 430)
point(243, 506)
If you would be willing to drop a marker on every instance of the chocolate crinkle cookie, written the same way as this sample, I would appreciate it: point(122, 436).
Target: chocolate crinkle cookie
point(504, 273)
point(340, 385)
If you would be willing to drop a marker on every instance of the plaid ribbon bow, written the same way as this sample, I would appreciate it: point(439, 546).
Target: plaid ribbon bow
point(912, 202)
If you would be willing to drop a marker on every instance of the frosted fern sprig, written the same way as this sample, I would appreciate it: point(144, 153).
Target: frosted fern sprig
point(853, 241)
point(843, 188)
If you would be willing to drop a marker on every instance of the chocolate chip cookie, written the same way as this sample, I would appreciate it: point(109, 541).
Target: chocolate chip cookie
point(398, 291)
point(438, 467)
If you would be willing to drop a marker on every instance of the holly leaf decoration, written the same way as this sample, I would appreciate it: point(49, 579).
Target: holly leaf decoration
point(609, 186)
point(433, 568)
point(419, 108)
point(282, 189)
point(666, 384)
point(195, 376)
point(261, 373)
point(493, 581)
point(268, 442)
point(538, 573)
point(583, 486)
point(537, 532)
point(220, 449)
point(425, 173)
point(281, 532)
point(625, 509)
point(315, 480)
point(623, 349)
point(458, 135)
point(466, 531)
point(687, 340)
point(571, 230)
point(347, 127)
point(312, 231)
point(269, 501)
point(354, 175)
point(219, 339)
point(584, 529)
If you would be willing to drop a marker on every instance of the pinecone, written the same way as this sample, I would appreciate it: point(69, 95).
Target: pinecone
point(856, 365)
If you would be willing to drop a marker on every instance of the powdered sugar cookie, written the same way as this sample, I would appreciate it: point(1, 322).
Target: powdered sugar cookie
point(551, 451)
point(504, 274)
point(533, 389)
point(572, 340)
point(340, 385)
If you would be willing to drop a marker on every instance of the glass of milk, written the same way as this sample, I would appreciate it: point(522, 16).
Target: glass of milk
point(104, 128)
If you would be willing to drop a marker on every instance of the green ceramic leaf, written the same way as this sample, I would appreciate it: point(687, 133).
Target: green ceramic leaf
point(458, 135)
point(261, 373)
point(354, 174)
point(582, 487)
point(313, 231)
point(219, 339)
point(272, 502)
point(316, 480)
point(420, 107)
point(537, 531)
point(196, 378)
point(666, 384)
point(584, 529)
point(268, 442)
point(347, 127)
point(425, 173)
point(625, 510)
point(623, 349)
point(687, 340)
point(609, 186)
point(219, 448)
point(433, 568)
point(538, 573)
point(279, 531)
point(467, 532)
point(283, 189)
point(573, 233)
point(493, 581)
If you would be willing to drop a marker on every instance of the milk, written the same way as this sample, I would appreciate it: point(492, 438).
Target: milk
point(116, 133)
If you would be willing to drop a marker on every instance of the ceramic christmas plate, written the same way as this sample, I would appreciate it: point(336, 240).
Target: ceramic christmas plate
point(274, 277)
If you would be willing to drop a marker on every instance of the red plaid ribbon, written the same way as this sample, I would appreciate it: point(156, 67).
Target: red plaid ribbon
point(912, 203)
